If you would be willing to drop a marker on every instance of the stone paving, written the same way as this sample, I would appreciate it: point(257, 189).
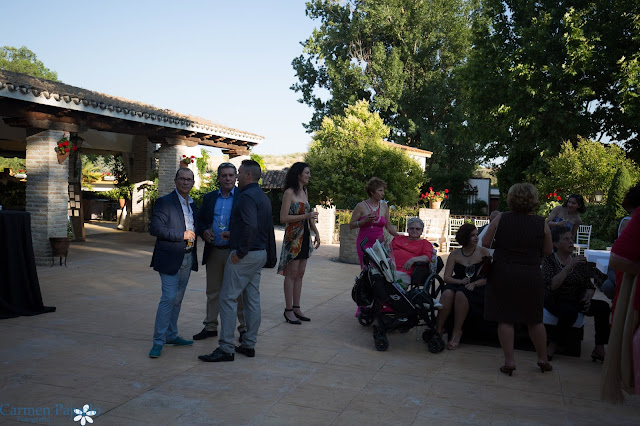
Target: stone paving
point(93, 350)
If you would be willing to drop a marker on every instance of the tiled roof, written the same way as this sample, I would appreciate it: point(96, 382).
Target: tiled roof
point(413, 151)
point(273, 179)
point(41, 91)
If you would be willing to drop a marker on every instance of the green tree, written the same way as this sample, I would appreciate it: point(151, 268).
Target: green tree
point(402, 56)
point(549, 71)
point(348, 150)
point(585, 169)
point(24, 61)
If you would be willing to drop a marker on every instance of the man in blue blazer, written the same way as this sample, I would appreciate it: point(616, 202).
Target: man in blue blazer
point(213, 218)
point(174, 256)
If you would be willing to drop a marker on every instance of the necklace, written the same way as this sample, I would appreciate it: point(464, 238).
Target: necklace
point(468, 255)
point(371, 208)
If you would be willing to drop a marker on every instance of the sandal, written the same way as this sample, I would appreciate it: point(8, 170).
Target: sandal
point(453, 343)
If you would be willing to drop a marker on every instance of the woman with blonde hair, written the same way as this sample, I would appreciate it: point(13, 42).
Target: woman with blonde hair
point(371, 216)
point(515, 287)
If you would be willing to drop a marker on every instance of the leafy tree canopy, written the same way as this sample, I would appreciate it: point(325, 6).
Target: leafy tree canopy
point(348, 150)
point(401, 56)
point(549, 71)
point(24, 61)
point(585, 169)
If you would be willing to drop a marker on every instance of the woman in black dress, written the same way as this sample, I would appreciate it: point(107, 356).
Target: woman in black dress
point(465, 281)
point(515, 288)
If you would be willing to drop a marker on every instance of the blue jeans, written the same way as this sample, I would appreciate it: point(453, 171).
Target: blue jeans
point(243, 278)
point(173, 287)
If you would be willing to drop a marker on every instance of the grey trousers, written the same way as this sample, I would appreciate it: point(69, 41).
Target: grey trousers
point(215, 273)
point(243, 278)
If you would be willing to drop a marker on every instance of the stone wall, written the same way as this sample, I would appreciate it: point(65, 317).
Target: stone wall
point(326, 223)
point(348, 238)
point(47, 192)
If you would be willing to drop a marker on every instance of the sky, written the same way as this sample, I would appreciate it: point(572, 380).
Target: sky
point(225, 61)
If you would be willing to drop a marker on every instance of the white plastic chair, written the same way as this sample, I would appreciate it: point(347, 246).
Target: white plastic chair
point(479, 223)
point(432, 231)
point(583, 238)
point(454, 224)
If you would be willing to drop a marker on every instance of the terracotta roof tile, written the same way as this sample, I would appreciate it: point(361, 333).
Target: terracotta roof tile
point(99, 103)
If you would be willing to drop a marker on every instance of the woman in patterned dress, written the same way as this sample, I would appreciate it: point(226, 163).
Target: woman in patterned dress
point(296, 247)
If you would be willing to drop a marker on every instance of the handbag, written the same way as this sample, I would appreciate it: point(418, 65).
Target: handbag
point(272, 255)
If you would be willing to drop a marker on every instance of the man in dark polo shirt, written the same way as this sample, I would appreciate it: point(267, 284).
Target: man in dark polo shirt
point(248, 232)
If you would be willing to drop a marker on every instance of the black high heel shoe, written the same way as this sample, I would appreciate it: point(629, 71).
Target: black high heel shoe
point(300, 317)
point(288, 320)
point(507, 369)
point(545, 366)
point(596, 357)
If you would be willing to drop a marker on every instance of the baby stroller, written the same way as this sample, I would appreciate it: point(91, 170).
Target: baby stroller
point(392, 307)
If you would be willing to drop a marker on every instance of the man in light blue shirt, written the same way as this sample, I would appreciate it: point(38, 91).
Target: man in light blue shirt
point(213, 218)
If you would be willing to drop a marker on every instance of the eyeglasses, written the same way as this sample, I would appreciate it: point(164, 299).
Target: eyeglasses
point(185, 180)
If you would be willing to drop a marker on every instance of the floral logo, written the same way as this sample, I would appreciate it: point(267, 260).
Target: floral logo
point(84, 415)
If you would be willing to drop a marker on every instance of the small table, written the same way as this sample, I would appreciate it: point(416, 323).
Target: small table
point(19, 285)
point(599, 257)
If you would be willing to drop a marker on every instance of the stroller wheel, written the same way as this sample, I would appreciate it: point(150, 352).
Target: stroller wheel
point(428, 334)
point(382, 343)
point(365, 318)
point(435, 345)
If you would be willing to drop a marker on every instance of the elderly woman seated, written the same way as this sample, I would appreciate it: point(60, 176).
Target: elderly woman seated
point(409, 250)
point(568, 292)
point(465, 283)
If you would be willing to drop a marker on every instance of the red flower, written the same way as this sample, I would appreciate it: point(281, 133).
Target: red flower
point(184, 156)
point(75, 148)
point(193, 156)
point(558, 198)
point(446, 196)
point(430, 188)
point(65, 143)
point(66, 150)
point(555, 194)
point(446, 191)
point(437, 193)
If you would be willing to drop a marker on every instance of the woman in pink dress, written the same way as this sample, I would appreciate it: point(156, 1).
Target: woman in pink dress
point(371, 216)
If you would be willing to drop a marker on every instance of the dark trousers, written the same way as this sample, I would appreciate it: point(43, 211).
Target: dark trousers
point(567, 313)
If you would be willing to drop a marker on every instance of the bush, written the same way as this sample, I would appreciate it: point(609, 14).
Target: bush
point(598, 244)
point(602, 228)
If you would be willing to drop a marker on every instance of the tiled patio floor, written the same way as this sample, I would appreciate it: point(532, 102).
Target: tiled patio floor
point(93, 350)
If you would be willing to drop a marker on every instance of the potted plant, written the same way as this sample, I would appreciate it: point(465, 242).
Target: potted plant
point(64, 148)
point(434, 198)
point(60, 245)
point(186, 161)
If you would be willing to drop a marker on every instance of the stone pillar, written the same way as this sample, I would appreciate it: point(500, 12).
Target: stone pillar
point(169, 158)
point(143, 165)
point(47, 192)
point(348, 253)
point(326, 223)
point(440, 217)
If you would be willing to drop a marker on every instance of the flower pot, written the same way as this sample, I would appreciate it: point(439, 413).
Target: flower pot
point(434, 204)
point(62, 157)
point(60, 248)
